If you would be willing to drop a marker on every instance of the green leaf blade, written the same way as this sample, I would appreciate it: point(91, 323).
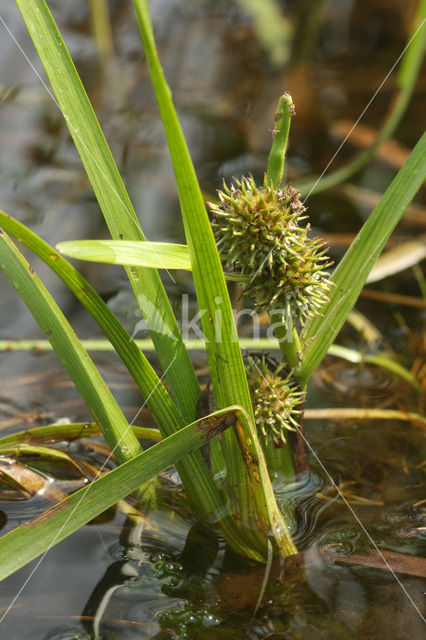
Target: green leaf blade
point(223, 349)
point(28, 541)
point(68, 348)
point(199, 484)
point(153, 255)
point(352, 272)
point(112, 197)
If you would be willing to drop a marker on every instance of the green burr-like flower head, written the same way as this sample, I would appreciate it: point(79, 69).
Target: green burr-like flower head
point(298, 287)
point(252, 224)
point(275, 398)
point(260, 238)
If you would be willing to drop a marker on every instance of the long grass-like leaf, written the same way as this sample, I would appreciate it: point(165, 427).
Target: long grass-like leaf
point(113, 199)
point(20, 451)
point(353, 270)
point(71, 431)
point(351, 355)
point(28, 541)
point(223, 350)
point(158, 400)
point(155, 255)
point(199, 485)
point(68, 348)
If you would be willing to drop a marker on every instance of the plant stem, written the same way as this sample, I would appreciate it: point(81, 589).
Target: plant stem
point(356, 413)
point(280, 461)
point(290, 346)
point(246, 343)
point(283, 115)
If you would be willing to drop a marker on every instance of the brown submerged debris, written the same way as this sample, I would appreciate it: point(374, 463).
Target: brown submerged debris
point(385, 560)
point(27, 482)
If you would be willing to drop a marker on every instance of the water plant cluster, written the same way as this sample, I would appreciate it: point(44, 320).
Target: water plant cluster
point(259, 238)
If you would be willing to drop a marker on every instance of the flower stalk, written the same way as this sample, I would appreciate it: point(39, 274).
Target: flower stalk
point(285, 111)
point(264, 245)
point(289, 345)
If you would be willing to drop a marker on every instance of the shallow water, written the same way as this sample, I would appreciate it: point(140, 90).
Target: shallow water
point(170, 578)
point(177, 581)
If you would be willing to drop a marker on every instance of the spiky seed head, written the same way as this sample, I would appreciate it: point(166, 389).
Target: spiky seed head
point(251, 224)
point(298, 288)
point(259, 236)
point(275, 398)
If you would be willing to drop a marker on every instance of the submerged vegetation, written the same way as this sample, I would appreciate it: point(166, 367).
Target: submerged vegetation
point(258, 236)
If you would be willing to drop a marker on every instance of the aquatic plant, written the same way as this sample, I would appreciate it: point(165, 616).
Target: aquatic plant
point(244, 508)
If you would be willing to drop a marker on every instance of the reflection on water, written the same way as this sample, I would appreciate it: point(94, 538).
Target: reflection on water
point(171, 578)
